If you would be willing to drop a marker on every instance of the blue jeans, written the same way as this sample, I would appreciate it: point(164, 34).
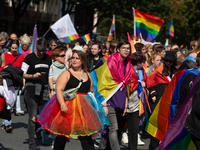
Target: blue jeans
point(6, 122)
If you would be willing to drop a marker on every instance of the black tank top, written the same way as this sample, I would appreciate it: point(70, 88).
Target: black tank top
point(73, 83)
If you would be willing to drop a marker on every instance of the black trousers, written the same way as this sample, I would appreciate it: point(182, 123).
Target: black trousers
point(196, 141)
point(154, 143)
point(133, 129)
point(33, 109)
point(86, 142)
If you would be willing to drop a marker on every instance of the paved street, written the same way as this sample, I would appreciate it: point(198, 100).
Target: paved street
point(17, 140)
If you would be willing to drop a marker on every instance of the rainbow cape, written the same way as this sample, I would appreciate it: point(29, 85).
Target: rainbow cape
point(109, 78)
point(34, 40)
point(86, 37)
point(148, 25)
point(156, 77)
point(176, 136)
point(112, 29)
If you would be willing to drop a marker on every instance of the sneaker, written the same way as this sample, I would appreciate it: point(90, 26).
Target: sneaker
point(34, 146)
point(140, 142)
point(44, 137)
point(9, 129)
point(125, 138)
point(52, 145)
point(3, 127)
point(96, 144)
point(19, 114)
point(73, 137)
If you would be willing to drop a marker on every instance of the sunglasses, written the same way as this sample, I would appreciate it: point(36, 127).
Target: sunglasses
point(63, 55)
point(170, 61)
point(53, 45)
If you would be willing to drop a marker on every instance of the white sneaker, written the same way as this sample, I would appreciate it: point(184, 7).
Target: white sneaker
point(140, 142)
point(125, 138)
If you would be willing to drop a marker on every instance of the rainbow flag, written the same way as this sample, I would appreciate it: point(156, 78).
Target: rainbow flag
point(171, 30)
point(148, 25)
point(86, 37)
point(182, 46)
point(176, 133)
point(34, 40)
point(112, 29)
point(70, 38)
point(131, 42)
point(110, 77)
point(160, 119)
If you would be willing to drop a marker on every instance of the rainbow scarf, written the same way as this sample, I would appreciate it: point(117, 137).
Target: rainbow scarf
point(110, 77)
point(148, 25)
point(176, 136)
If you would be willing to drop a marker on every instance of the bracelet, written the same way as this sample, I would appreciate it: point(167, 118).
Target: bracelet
point(51, 90)
point(61, 103)
point(126, 107)
point(32, 77)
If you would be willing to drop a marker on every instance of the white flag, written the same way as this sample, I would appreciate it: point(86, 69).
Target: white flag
point(64, 29)
point(166, 44)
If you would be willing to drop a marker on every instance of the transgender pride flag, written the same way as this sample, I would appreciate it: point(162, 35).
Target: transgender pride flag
point(34, 40)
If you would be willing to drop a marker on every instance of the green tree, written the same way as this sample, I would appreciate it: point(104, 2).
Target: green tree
point(19, 8)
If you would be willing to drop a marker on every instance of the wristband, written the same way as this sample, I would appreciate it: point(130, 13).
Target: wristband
point(32, 77)
point(61, 104)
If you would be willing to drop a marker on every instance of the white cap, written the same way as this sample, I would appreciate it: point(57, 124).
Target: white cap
point(78, 48)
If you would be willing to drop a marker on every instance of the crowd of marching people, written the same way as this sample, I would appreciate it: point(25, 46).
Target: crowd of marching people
point(99, 92)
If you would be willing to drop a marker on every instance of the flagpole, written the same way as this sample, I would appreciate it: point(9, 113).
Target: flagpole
point(134, 27)
point(46, 32)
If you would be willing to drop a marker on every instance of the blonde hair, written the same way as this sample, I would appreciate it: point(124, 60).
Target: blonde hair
point(148, 45)
point(153, 56)
point(25, 39)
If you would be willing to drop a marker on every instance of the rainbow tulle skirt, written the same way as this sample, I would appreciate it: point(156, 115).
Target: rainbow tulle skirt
point(85, 116)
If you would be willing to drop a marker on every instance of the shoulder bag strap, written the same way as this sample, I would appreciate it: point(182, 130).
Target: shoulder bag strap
point(80, 83)
point(15, 59)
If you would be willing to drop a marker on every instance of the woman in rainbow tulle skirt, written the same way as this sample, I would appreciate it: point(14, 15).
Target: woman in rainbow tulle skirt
point(81, 116)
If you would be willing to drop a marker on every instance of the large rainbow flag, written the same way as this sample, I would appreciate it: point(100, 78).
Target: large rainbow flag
point(148, 25)
point(176, 136)
point(164, 113)
point(110, 77)
point(160, 119)
point(112, 29)
point(34, 40)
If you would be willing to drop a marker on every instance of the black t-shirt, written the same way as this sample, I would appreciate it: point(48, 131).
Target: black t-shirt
point(36, 64)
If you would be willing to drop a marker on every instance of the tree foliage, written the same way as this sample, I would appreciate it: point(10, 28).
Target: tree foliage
point(183, 13)
point(19, 8)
